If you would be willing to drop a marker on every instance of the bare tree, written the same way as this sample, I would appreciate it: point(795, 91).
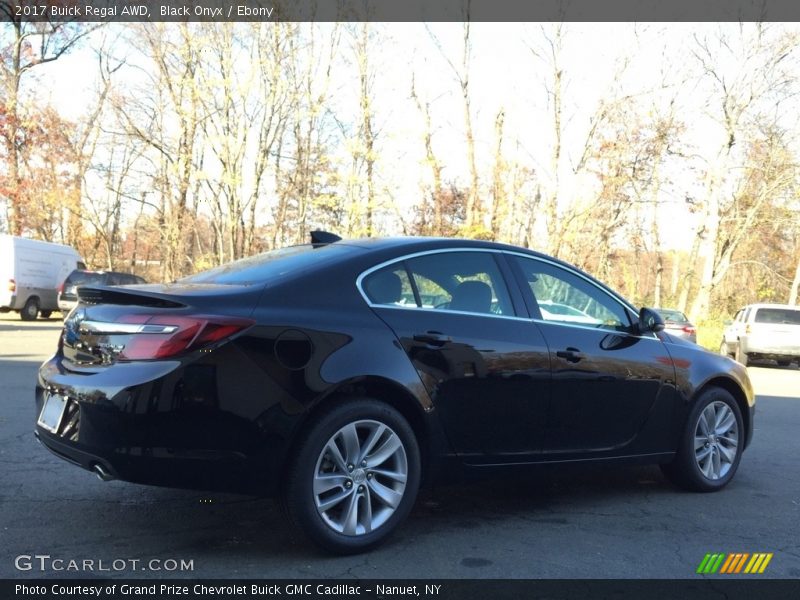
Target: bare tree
point(24, 46)
point(759, 75)
point(474, 211)
point(432, 160)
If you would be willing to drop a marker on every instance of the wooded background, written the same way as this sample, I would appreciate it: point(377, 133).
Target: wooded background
point(676, 182)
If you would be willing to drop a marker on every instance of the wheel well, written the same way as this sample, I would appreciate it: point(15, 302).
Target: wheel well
point(734, 390)
point(386, 391)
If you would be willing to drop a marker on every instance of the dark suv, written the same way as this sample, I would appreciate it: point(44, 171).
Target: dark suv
point(67, 291)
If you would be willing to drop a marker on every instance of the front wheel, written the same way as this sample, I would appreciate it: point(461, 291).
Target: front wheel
point(711, 446)
point(355, 476)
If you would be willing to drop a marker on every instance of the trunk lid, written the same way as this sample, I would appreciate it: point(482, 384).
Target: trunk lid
point(153, 321)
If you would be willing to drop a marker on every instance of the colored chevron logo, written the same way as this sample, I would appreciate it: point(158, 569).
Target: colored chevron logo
point(734, 563)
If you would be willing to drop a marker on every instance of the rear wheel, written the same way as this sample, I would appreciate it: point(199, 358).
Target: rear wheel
point(711, 446)
point(355, 476)
point(784, 363)
point(46, 314)
point(30, 311)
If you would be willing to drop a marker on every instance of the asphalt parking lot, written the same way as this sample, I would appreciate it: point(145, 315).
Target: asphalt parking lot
point(587, 522)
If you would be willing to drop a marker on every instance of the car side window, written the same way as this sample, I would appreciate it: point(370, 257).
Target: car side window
point(456, 281)
point(565, 297)
point(461, 281)
point(390, 286)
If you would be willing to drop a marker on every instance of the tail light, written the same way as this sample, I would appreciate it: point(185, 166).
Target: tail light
point(689, 329)
point(12, 285)
point(60, 288)
point(156, 337)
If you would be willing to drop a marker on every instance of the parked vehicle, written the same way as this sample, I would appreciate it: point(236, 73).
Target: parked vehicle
point(30, 272)
point(341, 375)
point(67, 291)
point(678, 324)
point(763, 331)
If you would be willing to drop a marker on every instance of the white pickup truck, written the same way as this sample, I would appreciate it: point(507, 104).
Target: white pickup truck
point(30, 273)
point(768, 331)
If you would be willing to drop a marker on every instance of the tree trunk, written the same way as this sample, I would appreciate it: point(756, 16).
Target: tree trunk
point(499, 208)
point(795, 285)
point(12, 108)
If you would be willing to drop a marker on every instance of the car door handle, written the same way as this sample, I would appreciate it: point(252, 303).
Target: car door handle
point(432, 338)
point(571, 355)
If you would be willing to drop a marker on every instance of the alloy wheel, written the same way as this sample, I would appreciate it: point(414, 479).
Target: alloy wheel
point(360, 477)
point(716, 440)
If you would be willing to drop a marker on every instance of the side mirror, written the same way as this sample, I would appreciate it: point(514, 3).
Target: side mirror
point(650, 320)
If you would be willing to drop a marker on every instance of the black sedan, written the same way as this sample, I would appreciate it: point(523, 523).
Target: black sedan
point(343, 375)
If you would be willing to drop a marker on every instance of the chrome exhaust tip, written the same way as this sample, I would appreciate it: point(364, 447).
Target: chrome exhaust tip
point(101, 473)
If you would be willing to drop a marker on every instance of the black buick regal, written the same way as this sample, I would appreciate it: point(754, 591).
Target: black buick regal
point(341, 375)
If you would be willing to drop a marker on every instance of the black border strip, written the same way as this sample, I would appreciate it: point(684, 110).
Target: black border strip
point(730, 588)
point(400, 10)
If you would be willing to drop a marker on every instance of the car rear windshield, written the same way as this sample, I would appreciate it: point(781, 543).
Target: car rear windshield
point(784, 316)
point(83, 277)
point(271, 265)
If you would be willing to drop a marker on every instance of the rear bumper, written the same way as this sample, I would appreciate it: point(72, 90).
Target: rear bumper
point(9, 302)
point(161, 423)
point(213, 472)
point(70, 453)
point(66, 305)
point(766, 347)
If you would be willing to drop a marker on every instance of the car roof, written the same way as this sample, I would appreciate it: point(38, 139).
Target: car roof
point(103, 272)
point(413, 244)
point(767, 305)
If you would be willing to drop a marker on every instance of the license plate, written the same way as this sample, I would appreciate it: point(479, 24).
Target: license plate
point(52, 412)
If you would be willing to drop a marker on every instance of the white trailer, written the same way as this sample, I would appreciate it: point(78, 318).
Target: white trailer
point(30, 273)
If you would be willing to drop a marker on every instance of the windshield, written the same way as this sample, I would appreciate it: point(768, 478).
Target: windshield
point(83, 277)
point(271, 265)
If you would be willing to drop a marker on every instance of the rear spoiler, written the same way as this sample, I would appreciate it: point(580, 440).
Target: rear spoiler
point(106, 295)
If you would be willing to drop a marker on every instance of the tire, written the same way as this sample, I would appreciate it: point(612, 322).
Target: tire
point(30, 311)
point(707, 460)
point(724, 350)
point(741, 357)
point(784, 363)
point(45, 314)
point(379, 502)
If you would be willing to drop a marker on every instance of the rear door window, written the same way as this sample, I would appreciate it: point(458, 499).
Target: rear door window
point(458, 281)
point(461, 281)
